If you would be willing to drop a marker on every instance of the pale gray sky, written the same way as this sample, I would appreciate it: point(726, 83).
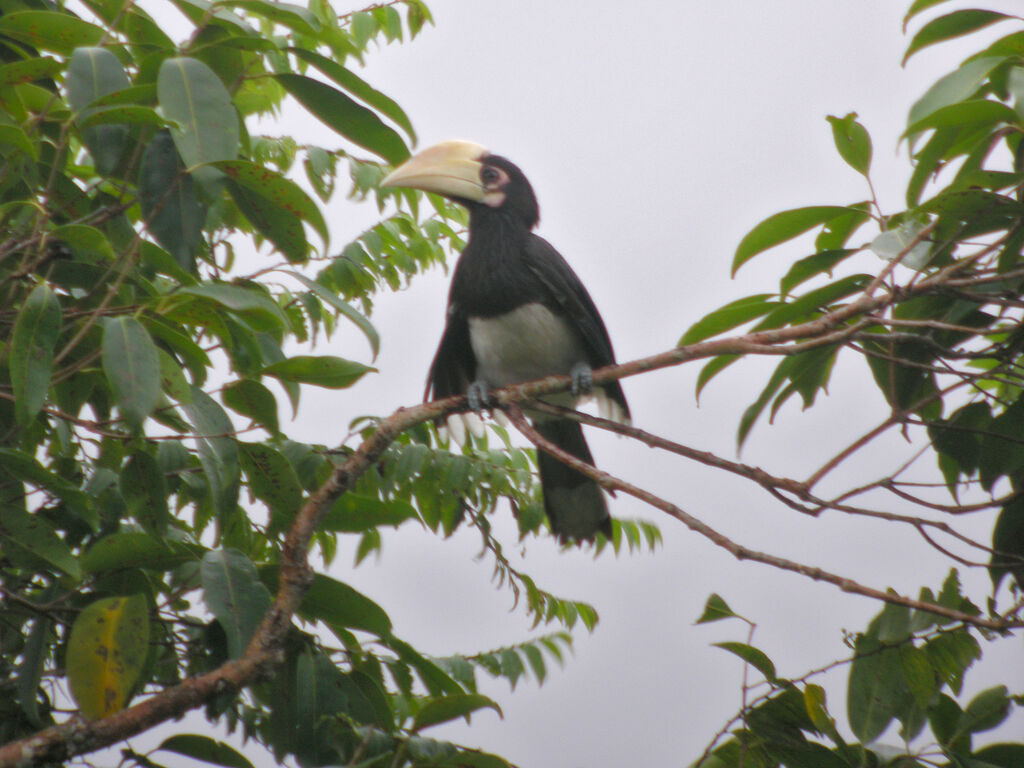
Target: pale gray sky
point(655, 135)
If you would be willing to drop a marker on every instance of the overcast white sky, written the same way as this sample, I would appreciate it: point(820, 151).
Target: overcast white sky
point(655, 135)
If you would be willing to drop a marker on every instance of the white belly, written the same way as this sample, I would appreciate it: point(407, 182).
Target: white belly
point(527, 343)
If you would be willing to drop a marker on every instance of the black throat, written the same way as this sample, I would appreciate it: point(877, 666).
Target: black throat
point(493, 275)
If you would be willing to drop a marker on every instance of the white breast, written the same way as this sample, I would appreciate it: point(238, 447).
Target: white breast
point(527, 343)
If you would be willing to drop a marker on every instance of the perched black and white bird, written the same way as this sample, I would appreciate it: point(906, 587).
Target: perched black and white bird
point(517, 312)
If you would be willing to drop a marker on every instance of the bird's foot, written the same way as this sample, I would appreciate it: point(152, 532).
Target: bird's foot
point(476, 396)
point(582, 380)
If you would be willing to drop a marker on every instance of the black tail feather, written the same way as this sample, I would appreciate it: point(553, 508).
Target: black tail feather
point(574, 503)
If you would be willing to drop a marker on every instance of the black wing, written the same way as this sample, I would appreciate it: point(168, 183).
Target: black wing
point(571, 299)
point(454, 365)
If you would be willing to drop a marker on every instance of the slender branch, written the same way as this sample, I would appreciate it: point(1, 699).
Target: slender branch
point(739, 551)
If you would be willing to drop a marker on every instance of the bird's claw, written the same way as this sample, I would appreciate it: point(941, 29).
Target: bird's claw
point(476, 396)
point(582, 379)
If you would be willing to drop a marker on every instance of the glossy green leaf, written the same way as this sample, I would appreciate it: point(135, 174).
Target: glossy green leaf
point(144, 491)
point(218, 449)
point(234, 594)
point(35, 333)
point(192, 95)
point(132, 367)
point(281, 227)
point(205, 749)
point(782, 227)
point(952, 25)
point(350, 119)
point(322, 371)
point(451, 708)
point(166, 192)
point(106, 653)
point(852, 141)
point(50, 30)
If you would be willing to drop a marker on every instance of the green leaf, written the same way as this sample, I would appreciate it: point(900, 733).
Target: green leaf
point(218, 449)
point(339, 112)
point(353, 513)
point(715, 609)
point(132, 367)
point(950, 26)
point(1008, 543)
point(23, 534)
point(30, 670)
point(987, 710)
point(726, 318)
point(811, 266)
point(92, 74)
point(254, 401)
point(964, 113)
point(192, 95)
point(35, 333)
point(277, 192)
point(135, 549)
point(755, 657)
point(781, 227)
point(271, 479)
point(852, 141)
point(206, 749)
point(874, 689)
point(234, 594)
point(343, 308)
point(358, 88)
point(916, 7)
point(145, 492)
point(339, 605)
point(322, 371)
point(173, 213)
point(1000, 756)
point(249, 302)
point(106, 654)
point(29, 70)
point(295, 17)
point(451, 707)
point(956, 86)
point(50, 30)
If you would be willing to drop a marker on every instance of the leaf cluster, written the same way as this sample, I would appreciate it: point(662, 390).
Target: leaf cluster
point(159, 267)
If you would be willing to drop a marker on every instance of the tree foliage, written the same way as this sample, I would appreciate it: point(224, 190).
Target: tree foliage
point(165, 278)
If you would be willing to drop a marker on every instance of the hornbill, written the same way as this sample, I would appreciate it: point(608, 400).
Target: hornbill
point(517, 312)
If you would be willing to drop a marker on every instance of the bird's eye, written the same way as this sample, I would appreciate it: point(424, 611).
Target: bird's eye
point(491, 176)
